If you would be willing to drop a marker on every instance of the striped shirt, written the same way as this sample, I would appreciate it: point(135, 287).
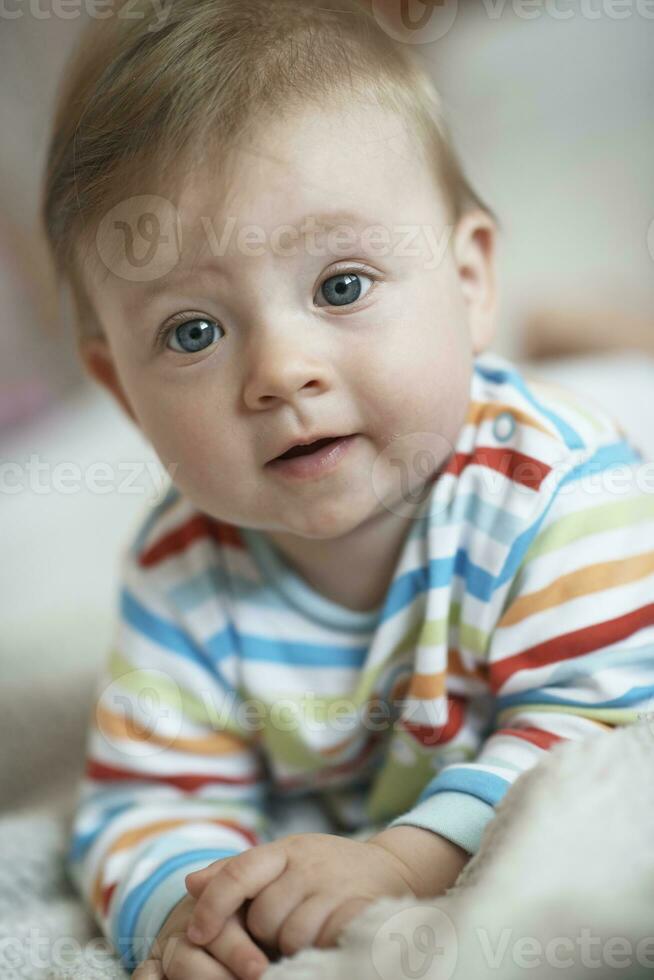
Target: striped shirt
point(519, 615)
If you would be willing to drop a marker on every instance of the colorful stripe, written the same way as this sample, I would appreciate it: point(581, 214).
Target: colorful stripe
point(519, 615)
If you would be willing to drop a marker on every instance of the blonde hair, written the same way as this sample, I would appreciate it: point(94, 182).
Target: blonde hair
point(147, 103)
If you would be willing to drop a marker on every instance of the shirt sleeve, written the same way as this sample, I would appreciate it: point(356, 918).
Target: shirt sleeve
point(173, 779)
point(572, 653)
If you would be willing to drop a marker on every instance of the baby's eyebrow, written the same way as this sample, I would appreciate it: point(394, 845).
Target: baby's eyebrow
point(327, 220)
point(310, 223)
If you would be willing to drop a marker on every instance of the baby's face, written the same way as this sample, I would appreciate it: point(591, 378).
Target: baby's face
point(368, 330)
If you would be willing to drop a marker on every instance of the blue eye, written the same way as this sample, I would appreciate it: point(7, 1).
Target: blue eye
point(344, 288)
point(193, 335)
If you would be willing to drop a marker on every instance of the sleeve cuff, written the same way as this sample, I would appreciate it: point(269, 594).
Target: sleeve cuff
point(458, 816)
point(154, 900)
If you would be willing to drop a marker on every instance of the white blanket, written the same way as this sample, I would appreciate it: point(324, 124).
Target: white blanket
point(564, 873)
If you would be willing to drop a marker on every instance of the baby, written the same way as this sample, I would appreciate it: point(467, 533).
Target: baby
point(390, 571)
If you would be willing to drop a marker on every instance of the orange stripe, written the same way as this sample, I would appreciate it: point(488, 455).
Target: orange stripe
point(427, 686)
point(215, 743)
point(481, 411)
point(591, 578)
point(456, 667)
point(570, 645)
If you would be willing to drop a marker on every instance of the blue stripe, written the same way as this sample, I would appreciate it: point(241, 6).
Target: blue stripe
point(403, 592)
point(617, 453)
point(499, 524)
point(485, 786)
point(196, 589)
point(80, 843)
point(616, 655)
point(504, 376)
point(613, 454)
point(138, 896)
point(213, 583)
point(301, 653)
point(480, 583)
point(496, 522)
point(168, 636)
point(635, 695)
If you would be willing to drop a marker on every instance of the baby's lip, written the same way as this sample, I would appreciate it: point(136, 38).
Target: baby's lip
point(305, 441)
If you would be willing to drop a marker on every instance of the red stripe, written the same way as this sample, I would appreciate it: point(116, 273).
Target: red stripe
point(571, 645)
point(99, 771)
point(249, 835)
point(106, 896)
point(526, 470)
point(544, 740)
point(439, 734)
point(198, 527)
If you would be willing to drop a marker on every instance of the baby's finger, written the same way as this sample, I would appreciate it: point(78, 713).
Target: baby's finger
point(241, 877)
point(235, 948)
point(337, 921)
point(195, 881)
point(182, 960)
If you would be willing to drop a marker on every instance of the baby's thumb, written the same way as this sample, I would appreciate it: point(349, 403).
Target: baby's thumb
point(194, 883)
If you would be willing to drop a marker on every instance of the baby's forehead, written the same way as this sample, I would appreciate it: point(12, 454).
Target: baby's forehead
point(358, 158)
point(322, 182)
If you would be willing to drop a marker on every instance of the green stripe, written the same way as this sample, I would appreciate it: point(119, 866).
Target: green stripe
point(604, 517)
point(612, 716)
point(132, 679)
point(573, 527)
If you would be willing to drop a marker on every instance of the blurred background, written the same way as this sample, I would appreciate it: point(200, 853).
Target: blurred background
point(550, 105)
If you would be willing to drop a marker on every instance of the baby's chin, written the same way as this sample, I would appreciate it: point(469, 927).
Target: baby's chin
point(314, 521)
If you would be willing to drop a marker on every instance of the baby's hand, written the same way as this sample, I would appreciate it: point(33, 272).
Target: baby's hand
point(305, 889)
point(173, 957)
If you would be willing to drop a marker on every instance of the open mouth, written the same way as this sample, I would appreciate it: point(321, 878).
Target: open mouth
point(312, 447)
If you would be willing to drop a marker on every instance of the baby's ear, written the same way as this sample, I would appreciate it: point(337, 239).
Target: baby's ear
point(474, 255)
point(98, 362)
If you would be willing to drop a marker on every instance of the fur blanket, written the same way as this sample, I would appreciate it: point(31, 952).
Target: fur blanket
point(562, 886)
